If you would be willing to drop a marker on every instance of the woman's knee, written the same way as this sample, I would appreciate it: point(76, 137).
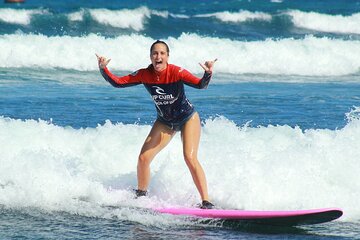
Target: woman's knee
point(144, 159)
point(191, 160)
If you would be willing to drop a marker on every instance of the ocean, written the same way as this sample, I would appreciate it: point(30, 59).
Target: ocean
point(280, 118)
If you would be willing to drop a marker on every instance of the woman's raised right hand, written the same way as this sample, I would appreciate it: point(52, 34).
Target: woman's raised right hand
point(102, 61)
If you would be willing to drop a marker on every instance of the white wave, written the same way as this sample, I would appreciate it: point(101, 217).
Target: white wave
point(18, 16)
point(124, 18)
point(354, 114)
point(56, 168)
point(241, 16)
point(72, 52)
point(163, 14)
point(326, 23)
point(76, 16)
point(184, 16)
point(307, 57)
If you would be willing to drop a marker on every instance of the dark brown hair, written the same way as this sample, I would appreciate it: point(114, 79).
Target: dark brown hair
point(162, 42)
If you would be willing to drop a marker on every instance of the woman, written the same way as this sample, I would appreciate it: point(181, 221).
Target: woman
point(165, 83)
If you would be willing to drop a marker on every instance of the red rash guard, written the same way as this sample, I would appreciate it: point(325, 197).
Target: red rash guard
point(166, 89)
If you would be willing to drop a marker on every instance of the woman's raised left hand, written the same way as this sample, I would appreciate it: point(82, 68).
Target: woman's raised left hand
point(208, 66)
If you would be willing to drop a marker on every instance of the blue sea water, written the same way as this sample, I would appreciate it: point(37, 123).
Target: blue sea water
point(280, 118)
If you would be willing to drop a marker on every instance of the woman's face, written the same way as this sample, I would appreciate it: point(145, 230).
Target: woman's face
point(159, 57)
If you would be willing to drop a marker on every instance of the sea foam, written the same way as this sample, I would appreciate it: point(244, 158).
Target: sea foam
point(240, 16)
point(310, 56)
point(19, 16)
point(325, 22)
point(124, 18)
point(134, 19)
point(264, 168)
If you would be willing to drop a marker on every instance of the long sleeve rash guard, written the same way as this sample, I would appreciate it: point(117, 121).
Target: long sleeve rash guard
point(166, 89)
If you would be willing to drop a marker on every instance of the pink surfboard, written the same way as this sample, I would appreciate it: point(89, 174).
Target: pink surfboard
point(277, 218)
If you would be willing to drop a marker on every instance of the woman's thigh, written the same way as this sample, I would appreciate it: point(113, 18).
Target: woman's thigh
point(159, 136)
point(191, 136)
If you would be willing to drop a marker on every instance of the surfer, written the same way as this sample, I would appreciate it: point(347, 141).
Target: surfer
point(165, 83)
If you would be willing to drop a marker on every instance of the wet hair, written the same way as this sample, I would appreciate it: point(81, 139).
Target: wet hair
point(162, 42)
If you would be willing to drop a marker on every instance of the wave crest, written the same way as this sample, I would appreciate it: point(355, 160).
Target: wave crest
point(18, 16)
point(45, 165)
point(326, 23)
point(241, 16)
point(310, 56)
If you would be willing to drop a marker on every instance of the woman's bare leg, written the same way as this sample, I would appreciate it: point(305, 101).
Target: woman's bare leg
point(159, 136)
point(190, 134)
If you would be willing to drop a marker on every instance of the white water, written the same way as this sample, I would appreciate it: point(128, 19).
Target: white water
point(19, 16)
point(267, 168)
point(326, 23)
point(137, 18)
point(309, 56)
point(238, 17)
point(122, 18)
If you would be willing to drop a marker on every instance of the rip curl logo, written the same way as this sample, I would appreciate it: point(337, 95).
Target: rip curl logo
point(161, 97)
point(159, 90)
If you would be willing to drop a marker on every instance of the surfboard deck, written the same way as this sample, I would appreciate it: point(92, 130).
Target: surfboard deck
point(275, 218)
